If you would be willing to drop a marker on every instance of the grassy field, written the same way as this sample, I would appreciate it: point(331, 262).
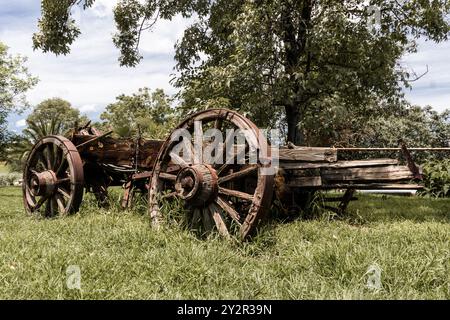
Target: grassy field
point(121, 257)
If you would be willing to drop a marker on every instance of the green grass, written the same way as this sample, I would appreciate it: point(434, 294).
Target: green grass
point(120, 256)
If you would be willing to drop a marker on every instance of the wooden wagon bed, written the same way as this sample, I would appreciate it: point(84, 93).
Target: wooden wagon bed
point(309, 167)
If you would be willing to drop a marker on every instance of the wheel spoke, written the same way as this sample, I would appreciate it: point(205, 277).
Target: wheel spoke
point(228, 209)
point(62, 166)
point(218, 124)
point(63, 193)
point(196, 219)
point(238, 174)
point(178, 160)
point(169, 195)
point(219, 221)
point(49, 207)
point(235, 193)
point(39, 204)
point(63, 180)
point(207, 221)
point(58, 158)
point(49, 157)
point(42, 162)
point(167, 176)
point(54, 206)
point(60, 203)
point(198, 142)
point(228, 140)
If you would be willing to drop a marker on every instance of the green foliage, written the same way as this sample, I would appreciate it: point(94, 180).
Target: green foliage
point(53, 116)
point(436, 178)
point(151, 112)
point(303, 58)
point(10, 179)
point(379, 126)
point(121, 257)
point(282, 62)
point(15, 80)
point(57, 28)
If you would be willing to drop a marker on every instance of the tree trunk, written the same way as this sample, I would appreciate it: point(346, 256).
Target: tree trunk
point(293, 118)
point(294, 39)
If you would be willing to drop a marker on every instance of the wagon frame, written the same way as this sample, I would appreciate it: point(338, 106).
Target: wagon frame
point(229, 196)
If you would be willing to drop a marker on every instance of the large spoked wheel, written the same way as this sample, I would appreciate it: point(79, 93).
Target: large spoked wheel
point(53, 178)
point(226, 184)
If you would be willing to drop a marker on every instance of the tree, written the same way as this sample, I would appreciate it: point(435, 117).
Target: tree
point(15, 80)
point(53, 116)
point(148, 111)
point(290, 58)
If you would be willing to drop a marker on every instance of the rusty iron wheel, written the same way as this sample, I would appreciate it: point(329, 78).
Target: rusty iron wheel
point(53, 178)
point(228, 196)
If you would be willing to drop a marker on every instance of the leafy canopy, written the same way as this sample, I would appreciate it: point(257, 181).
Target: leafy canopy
point(145, 111)
point(280, 61)
point(53, 116)
point(15, 80)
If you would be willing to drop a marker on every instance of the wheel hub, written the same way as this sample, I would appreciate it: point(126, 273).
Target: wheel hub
point(197, 184)
point(43, 183)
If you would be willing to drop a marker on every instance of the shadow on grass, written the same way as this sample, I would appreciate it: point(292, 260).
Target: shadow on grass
point(371, 208)
point(375, 209)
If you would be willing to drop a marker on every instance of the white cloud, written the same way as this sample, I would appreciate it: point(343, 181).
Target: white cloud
point(433, 88)
point(21, 123)
point(88, 108)
point(90, 76)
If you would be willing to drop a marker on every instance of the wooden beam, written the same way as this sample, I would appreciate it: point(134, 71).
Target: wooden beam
point(339, 164)
point(304, 181)
point(384, 173)
point(308, 154)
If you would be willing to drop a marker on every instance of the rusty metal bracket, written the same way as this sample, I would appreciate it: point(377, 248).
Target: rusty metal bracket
point(409, 160)
point(81, 145)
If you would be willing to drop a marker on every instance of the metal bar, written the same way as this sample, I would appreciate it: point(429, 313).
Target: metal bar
point(93, 139)
point(392, 149)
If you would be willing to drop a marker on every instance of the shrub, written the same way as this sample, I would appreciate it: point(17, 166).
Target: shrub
point(436, 178)
point(10, 179)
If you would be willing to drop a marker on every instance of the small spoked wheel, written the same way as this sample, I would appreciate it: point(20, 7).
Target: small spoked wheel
point(217, 164)
point(53, 178)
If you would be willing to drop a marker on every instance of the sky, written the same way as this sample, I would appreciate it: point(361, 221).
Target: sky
point(90, 76)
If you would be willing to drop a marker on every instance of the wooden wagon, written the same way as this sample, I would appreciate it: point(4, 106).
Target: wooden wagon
point(232, 195)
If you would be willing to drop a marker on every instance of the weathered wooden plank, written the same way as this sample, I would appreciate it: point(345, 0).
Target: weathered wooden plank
point(118, 151)
point(339, 164)
point(304, 173)
point(367, 174)
point(304, 181)
point(308, 154)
